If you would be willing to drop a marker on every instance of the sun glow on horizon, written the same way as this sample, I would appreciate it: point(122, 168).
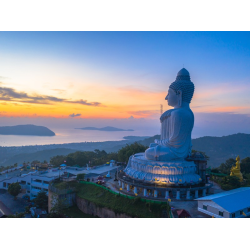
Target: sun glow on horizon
point(42, 76)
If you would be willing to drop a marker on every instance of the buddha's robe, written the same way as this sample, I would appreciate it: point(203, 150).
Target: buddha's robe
point(175, 142)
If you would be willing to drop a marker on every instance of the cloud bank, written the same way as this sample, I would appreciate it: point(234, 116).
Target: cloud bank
point(74, 115)
point(10, 95)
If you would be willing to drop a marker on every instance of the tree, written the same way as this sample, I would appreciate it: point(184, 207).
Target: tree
point(245, 165)
point(112, 156)
point(41, 200)
point(57, 160)
point(80, 158)
point(59, 205)
point(226, 167)
point(100, 153)
point(70, 159)
point(14, 189)
point(125, 152)
point(203, 153)
point(234, 181)
point(80, 177)
point(16, 215)
point(230, 182)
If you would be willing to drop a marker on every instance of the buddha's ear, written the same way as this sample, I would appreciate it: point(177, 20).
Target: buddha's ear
point(179, 93)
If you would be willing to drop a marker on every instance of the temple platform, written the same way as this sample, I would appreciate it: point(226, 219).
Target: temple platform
point(161, 191)
point(162, 172)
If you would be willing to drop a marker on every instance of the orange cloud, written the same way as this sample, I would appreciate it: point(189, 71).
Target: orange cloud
point(11, 95)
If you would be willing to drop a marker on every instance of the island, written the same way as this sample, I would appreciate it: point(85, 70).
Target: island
point(28, 129)
point(108, 128)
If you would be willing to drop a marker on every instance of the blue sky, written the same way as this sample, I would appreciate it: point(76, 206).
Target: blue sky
point(126, 73)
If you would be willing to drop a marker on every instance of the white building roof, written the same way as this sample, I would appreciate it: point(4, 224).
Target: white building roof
point(34, 175)
point(232, 201)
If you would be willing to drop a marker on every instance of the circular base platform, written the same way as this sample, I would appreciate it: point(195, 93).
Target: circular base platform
point(172, 173)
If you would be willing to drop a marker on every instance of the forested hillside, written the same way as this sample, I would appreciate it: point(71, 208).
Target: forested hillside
point(219, 149)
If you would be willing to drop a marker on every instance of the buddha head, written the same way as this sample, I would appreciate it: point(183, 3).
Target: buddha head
point(181, 90)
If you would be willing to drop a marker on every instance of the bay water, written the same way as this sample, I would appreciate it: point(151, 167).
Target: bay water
point(71, 136)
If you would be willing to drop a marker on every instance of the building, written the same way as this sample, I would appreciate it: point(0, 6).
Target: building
point(182, 213)
point(39, 183)
point(229, 204)
point(201, 164)
point(31, 183)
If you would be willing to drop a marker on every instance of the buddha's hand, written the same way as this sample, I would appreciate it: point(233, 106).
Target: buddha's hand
point(153, 145)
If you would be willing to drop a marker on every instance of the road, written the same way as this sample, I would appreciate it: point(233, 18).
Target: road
point(4, 210)
point(10, 206)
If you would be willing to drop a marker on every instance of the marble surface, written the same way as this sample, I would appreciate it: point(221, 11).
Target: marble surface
point(176, 124)
point(164, 161)
point(173, 172)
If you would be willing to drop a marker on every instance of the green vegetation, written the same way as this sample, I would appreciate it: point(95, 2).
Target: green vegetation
point(38, 156)
point(231, 182)
point(59, 205)
point(14, 189)
point(82, 158)
point(225, 168)
point(80, 177)
point(219, 149)
point(65, 185)
point(16, 215)
point(97, 157)
point(120, 204)
point(125, 152)
point(41, 201)
point(203, 153)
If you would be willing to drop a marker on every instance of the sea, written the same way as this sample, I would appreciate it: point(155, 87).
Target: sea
point(71, 136)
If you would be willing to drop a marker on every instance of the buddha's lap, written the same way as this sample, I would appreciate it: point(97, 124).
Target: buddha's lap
point(161, 152)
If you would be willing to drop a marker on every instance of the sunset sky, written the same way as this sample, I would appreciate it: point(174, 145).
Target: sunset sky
point(90, 78)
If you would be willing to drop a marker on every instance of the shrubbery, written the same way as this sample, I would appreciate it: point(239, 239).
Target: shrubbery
point(97, 157)
point(14, 189)
point(80, 177)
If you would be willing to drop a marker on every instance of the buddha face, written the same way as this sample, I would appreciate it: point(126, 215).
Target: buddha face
point(172, 98)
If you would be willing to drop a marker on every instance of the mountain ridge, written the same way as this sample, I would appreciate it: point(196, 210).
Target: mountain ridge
point(107, 129)
point(28, 129)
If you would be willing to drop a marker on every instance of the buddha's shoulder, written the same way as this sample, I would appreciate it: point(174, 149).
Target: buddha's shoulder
point(166, 115)
point(177, 113)
point(182, 112)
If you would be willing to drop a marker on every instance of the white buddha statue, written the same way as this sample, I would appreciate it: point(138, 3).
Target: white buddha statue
point(164, 162)
point(176, 123)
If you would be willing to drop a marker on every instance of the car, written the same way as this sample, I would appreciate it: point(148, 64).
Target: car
point(100, 180)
